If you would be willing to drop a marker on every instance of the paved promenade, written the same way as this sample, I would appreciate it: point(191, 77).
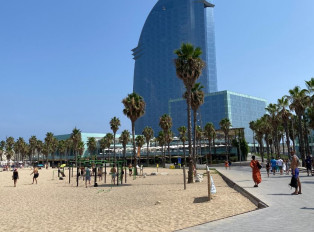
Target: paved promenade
point(286, 212)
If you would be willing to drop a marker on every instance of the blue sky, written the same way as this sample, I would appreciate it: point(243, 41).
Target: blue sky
point(69, 63)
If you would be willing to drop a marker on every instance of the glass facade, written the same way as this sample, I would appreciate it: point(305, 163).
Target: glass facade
point(240, 109)
point(169, 24)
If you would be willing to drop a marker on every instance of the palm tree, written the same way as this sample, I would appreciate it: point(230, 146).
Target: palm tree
point(25, 151)
point(165, 123)
point(9, 148)
point(168, 138)
point(49, 144)
point(108, 141)
point(274, 120)
point(252, 126)
point(197, 99)
point(298, 100)
point(183, 138)
point(69, 147)
point(124, 139)
point(134, 108)
point(103, 146)
point(91, 146)
point(148, 133)
point(18, 146)
point(283, 103)
point(140, 141)
point(62, 149)
point(161, 141)
point(114, 125)
point(199, 136)
point(32, 146)
point(2, 146)
point(76, 138)
point(210, 133)
point(225, 125)
point(189, 67)
point(39, 147)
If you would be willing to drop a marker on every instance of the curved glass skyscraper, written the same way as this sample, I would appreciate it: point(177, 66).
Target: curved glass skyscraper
point(169, 24)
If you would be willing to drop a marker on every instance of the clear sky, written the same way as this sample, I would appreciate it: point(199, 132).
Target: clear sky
point(67, 63)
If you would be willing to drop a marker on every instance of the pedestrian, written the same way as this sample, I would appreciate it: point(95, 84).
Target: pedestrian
point(226, 164)
point(87, 176)
point(295, 174)
point(267, 167)
point(256, 173)
point(36, 174)
point(229, 162)
point(280, 165)
point(113, 172)
point(287, 166)
point(15, 176)
point(100, 173)
point(308, 164)
point(273, 165)
point(130, 169)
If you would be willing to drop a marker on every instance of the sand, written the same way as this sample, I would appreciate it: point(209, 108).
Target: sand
point(56, 205)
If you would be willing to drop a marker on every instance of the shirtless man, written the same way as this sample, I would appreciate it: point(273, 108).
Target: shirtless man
point(36, 174)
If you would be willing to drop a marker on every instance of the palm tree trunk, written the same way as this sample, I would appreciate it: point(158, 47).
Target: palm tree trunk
point(114, 147)
point(301, 142)
point(134, 153)
point(226, 144)
point(169, 153)
point(147, 161)
point(254, 142)
point(283, 145)
point(194, 135)
point(184, 153)
point(191, 163)
point(287, 137)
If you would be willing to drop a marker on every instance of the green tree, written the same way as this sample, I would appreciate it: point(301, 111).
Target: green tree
point(114, 125)
point(148, 133)
point(108, 141)
point(189, 67)
point(225, 126)
point(124, 140)
point(285, 115)
point(252, 126)
point(139, 141)
point(165, 123)
point(18, 147)
point(2, 146)
point(183, 138)
point(210, 134)
point(39, 147)
point(62, 149)
point(91, 146)
point(162, 141)
point(9, 143)
point(32, 146)
point(76, 137)
point(134, 108)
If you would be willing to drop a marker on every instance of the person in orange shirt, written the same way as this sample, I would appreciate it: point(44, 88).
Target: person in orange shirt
point(226, 164)
point(256, 173)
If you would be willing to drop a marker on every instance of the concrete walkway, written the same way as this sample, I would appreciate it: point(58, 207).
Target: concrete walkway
point(286, 212)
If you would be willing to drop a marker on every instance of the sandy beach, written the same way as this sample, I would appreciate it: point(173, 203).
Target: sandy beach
point(56, 205)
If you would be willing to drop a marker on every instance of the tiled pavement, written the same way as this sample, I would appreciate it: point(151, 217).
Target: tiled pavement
point(286, 212)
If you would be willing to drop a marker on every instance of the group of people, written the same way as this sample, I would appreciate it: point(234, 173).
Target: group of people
point(281, 166)
point(15, 175)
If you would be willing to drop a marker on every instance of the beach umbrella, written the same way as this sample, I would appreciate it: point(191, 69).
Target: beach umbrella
point(62, 165)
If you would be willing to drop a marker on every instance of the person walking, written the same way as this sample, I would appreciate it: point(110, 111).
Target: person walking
point(100, 173)
point(280, 165)
point(113, 172)
point(36, 174)
point(295, 173)
point(273, 165)
point(130, 169)
point(15, 176)
point(256, 173)
point(308, 164)
point(87, 176)
point(267, 168)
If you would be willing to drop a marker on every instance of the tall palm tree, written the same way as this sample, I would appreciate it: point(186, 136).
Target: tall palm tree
point(189, 67)
point(2, 146)
point(124, 140)
point(9, 143)
point(148, 133)
point(76, 137)
point(274, 120)
point(108, 141)
point(25, 151)
point(32, 146)
point(299, 99)
point(183, 138)
point(140, 141)
point(210, 133)
point(197, 99)
point(103, 146)
point(62, 149)
point(162, 141)
point(18, 147)
point(39, 147)
point(69, 148)
point(49, 140)
point(199, 136)
point(168, 138)
point(91, 146)
point(114, 125)
point(165, 122)
point(225, 125)
point(252, 126)
point(134, 108)
point(283, 103)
